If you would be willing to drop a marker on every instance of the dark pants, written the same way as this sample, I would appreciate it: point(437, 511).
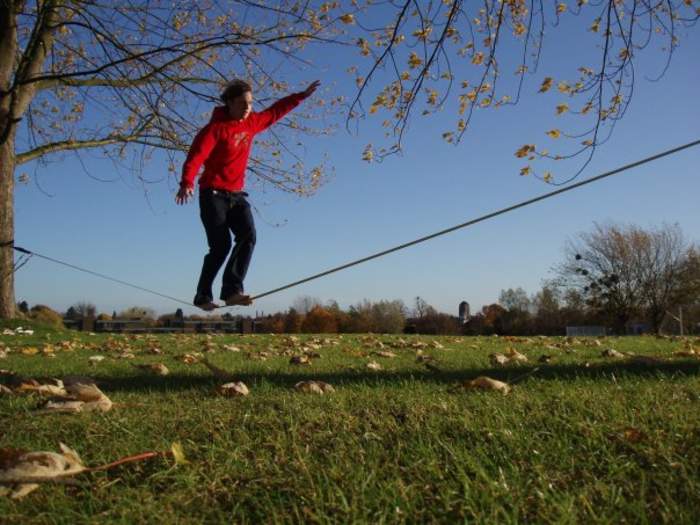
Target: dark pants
point(222, 211)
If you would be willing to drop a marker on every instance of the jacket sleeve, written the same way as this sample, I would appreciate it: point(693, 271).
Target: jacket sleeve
point(201, 147)
point(276, 111)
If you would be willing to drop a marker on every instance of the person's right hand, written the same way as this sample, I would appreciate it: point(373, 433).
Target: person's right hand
point(184, 194)
point(310, 90)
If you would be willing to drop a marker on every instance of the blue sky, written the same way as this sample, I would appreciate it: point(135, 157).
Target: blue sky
point(112, 228)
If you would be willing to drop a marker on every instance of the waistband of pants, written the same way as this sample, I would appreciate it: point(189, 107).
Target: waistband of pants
point(225, 193)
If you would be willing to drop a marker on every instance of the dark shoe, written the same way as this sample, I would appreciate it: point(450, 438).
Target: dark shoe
point(205, 303)
point(208, 307)
point(238, 299)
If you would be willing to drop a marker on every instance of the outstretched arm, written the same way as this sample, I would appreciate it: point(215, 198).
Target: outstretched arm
point(279, 109)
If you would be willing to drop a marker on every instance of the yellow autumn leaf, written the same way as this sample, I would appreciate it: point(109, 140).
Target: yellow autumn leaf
point(546, 84)
point(178, 454)
point(595, 27)
point(364, 46)
point(478, 58)
point(347, 19)
point(432, 97)
point(525, 171)
point(562, 108)
point(563, 87)
point(547, 177)
point(561, 8)
point(554, 133)
point(414, 61)
point(525, 150)
point(423, 34)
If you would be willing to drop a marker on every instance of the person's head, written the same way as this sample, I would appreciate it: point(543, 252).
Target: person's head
point(238, 97)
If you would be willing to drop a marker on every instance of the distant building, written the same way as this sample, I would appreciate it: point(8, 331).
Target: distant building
point(464, 312)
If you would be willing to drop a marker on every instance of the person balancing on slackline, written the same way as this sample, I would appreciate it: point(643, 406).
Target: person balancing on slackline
point(223, 147)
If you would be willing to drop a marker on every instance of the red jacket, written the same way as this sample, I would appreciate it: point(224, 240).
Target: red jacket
point(224, 144)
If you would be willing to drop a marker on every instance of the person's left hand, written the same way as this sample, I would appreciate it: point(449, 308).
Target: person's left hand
point(184, 194)
point(310, 90)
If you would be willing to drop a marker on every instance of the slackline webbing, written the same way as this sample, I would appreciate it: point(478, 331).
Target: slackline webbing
point(103, 276)
point(390, 250)
point(483, 217)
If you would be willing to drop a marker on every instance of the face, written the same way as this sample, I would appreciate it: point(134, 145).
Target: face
point(240, 107)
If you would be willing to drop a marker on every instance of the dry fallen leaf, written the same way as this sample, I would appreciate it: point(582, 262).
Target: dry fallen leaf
point(314, 387)
point(93, 360)
point(188, 359)
point(60, 404)
point(22, 468)
point(487, 383)
point(56, 389)
point(686, 353)
point(498, 359)
point(233, 389)
point(515, 356)
point(373, 365)
point(300, 360)
point(82, 395)
point(157, 368)
point(385, 353)
point(633, 435)
point(610, 352)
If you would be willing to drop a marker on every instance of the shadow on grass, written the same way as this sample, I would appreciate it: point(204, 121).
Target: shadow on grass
point(602, 371)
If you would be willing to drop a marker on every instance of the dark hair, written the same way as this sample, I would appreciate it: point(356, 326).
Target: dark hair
point(234, 89)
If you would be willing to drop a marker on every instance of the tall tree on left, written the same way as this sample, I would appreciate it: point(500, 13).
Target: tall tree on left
point(129, 78)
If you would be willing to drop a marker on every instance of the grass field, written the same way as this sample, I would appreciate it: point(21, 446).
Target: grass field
point(582, 439)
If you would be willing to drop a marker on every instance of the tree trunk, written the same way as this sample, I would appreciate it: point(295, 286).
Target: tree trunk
point(7, 225)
